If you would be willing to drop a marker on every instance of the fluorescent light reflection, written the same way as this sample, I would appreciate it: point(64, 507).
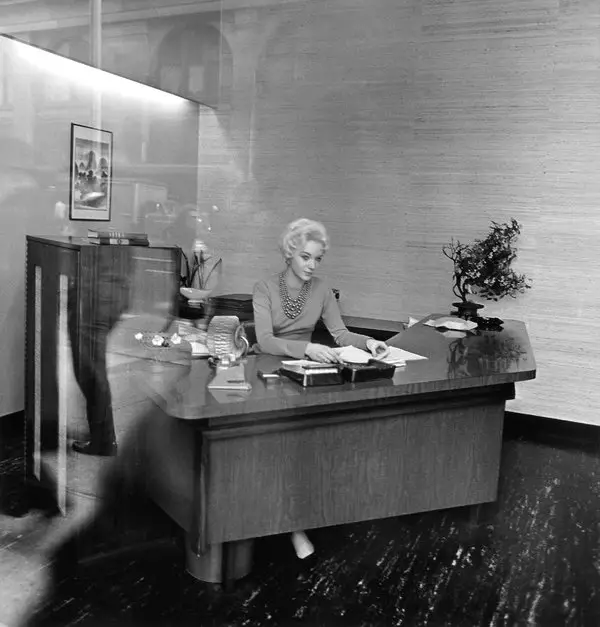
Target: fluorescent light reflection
point(95, 78)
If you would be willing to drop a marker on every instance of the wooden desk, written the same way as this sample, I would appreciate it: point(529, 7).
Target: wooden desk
point(230, 466)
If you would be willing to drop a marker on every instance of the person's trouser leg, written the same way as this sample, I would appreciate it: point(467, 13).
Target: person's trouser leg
point(99, 399)
point(89, 352)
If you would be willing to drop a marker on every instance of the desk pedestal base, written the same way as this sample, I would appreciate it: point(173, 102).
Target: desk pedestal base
point(222, 563)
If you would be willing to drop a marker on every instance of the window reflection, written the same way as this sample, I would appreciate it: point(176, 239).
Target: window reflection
point(189, 62)
point(77, 49)
point(483, 353)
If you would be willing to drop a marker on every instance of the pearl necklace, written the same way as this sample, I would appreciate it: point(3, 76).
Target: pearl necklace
point(292, 307)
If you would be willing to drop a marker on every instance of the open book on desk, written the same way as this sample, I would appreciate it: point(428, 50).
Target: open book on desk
point(396, 356)
point(309, 373)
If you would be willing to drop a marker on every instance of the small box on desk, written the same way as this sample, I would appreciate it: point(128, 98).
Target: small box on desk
point(372, 371)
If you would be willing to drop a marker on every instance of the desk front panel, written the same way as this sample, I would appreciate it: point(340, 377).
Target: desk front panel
point(382, 462)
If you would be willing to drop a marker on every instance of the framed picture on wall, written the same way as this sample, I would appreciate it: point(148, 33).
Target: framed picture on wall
point(91, 173)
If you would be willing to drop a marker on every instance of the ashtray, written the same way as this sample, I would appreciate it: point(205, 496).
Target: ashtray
point(452, 323)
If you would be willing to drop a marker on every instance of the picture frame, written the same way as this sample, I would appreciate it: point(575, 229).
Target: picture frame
point(90, 191)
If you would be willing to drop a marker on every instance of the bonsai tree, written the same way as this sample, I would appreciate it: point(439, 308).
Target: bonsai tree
point(484, 267)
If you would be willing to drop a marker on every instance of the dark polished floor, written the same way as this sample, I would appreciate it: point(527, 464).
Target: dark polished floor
point(531, 558)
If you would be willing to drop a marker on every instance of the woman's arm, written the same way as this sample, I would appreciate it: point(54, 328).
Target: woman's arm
point(335, 325)
point(263, 323)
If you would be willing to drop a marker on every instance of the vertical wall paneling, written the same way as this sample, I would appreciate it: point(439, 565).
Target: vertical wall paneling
point(37, 373)
point(63, 358)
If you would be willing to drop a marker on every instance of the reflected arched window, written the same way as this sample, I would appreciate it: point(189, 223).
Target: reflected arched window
point(190, 63)
point(77, 49)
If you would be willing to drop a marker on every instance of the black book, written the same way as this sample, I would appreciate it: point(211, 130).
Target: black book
point(118, 241)
point(94, 233)
point(310, 375)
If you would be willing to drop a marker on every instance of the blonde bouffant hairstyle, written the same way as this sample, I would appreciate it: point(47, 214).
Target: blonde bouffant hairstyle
point(298, 232)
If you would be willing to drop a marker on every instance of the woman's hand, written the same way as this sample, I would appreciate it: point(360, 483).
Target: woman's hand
point(378, 349)
point(320, 352)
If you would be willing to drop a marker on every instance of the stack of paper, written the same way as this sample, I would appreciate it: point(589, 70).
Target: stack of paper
point(305, 363)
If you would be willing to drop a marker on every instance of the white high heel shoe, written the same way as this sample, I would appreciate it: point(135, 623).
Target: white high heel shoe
point(302, 544)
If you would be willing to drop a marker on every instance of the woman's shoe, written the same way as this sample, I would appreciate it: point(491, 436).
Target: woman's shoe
point(302, 544)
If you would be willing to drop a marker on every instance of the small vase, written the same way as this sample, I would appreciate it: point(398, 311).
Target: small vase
point(467, 310)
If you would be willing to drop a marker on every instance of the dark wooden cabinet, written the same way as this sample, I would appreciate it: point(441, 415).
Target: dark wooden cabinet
point(72, 286)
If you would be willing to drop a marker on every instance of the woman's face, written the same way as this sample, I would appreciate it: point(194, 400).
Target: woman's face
point(305, 261)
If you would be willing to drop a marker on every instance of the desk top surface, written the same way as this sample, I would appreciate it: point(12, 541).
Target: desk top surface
point(471, 360)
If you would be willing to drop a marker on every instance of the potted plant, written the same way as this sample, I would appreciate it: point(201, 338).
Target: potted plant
point(195, 281)
point(484, 268)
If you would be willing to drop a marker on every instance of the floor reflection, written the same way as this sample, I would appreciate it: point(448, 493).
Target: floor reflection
point(529, 558)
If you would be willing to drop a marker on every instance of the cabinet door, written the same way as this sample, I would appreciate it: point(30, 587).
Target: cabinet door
point(51, 270)
point(155, 280)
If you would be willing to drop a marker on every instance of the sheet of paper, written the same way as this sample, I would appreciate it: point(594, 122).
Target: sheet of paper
point(353, 355)
point(199, 349)
point(400, 355)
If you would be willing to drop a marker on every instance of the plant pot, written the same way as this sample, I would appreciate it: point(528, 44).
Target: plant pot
point(189, 311)
point(194, 295)
point(467, 310)
point(194, 303)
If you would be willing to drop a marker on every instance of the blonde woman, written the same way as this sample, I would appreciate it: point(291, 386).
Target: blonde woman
point(288, 305)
